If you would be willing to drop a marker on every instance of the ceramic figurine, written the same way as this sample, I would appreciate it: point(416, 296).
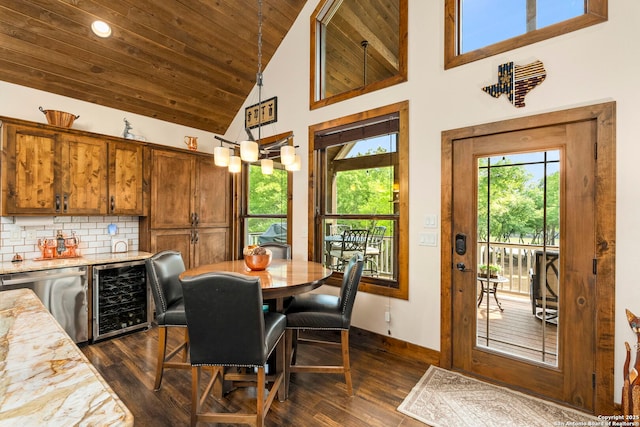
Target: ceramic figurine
point(126, 134)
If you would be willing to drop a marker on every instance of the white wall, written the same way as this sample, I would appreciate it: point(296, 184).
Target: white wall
point(593, 65)
point(22, 103)
point(589, 66)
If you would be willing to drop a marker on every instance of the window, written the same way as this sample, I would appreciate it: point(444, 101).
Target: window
point(359, 199)
point(476, 30)
point(266, 206)
point(357, 48)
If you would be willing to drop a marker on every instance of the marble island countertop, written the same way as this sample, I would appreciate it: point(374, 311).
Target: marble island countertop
point(94, 259)
point(44, 377)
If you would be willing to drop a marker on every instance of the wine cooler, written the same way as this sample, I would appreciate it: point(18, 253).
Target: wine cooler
point(120, 298)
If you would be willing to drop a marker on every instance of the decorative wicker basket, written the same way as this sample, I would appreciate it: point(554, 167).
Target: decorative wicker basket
point(59, 118)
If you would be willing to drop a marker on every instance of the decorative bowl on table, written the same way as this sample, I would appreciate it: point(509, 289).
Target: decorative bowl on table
point(257, 258)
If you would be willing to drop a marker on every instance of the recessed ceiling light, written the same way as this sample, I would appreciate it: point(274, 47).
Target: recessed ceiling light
point(101, 29)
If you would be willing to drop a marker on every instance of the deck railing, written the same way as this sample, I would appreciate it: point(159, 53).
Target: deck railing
point(516, 261)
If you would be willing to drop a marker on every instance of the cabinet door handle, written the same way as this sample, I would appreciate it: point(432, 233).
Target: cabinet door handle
point(113, 203)
point(57, 203)
point(65, 203)
point(191, 237)
point(197, 217)
point(197, 236)
point(193, 219)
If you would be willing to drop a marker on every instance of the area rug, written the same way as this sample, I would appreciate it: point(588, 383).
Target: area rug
point(447, 399)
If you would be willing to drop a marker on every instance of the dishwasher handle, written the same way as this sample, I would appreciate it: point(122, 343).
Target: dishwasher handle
point(34, 277)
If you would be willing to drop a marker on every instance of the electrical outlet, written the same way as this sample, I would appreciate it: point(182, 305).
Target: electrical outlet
point(15, 234)
point(387, 316)
point(31, 234)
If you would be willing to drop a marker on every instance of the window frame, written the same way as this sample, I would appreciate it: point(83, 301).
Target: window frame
point(596, 12)
point(315, 51)
point(316, 240)
point(243, 213)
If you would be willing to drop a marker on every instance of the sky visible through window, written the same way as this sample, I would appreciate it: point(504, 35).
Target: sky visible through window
point(382, 143)
point(485, 22)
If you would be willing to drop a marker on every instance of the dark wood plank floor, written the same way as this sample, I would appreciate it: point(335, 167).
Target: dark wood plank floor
point(381, 382)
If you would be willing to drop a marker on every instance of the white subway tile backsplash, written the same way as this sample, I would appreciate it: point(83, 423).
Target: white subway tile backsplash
point(92, 232)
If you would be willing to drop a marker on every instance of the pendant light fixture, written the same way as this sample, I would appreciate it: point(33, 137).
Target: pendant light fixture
point(287, 154)
point(250, 150)
point(266, 166)
point(235, 164)
point(221, 155)
point(294, 165)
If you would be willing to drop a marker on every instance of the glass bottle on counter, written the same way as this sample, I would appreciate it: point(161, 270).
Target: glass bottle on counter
point(60, 248)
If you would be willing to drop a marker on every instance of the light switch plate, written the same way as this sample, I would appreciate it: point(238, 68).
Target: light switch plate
point(431, 221)
point(428, 239)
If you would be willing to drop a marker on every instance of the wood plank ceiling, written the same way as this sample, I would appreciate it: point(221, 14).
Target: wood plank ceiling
point(191, 62)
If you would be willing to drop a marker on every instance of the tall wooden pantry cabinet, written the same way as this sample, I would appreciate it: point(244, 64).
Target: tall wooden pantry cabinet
point(190, 207)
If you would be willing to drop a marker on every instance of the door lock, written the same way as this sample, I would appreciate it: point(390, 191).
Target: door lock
point(461, 244)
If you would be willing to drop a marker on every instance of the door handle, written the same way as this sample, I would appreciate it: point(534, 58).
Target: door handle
point(462, 267)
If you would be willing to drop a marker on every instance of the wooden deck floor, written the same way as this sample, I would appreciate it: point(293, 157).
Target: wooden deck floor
point(516, 330)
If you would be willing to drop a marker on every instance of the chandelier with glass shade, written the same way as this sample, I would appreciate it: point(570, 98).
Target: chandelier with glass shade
point(251, 150)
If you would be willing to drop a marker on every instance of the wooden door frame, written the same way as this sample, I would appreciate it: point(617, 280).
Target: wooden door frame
point(605, 233)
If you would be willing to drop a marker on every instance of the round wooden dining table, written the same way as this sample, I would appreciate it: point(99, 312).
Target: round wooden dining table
point(281, 279)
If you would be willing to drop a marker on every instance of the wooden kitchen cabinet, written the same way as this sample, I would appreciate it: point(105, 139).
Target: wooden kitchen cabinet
point(28, 167)
point(197, 246)
point(84, 175)
point(54, 171)
point(172, 190)
point(126, 180)
point(189, 191)
point(51, 173)
point(190, 207)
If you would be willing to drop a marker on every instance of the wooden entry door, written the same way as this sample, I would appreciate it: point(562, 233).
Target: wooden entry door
point(579, 359)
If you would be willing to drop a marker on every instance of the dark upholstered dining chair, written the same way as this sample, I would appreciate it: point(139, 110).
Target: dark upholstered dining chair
point(278, 250)
point(318, 312)
point(228, 328)
point(163, 270)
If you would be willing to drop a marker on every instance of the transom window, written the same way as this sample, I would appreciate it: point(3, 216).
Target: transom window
point(357, 47)
point(477, 29)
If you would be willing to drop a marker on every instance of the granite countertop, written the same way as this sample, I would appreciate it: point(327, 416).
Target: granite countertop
point(106, 258)
point(44, 377)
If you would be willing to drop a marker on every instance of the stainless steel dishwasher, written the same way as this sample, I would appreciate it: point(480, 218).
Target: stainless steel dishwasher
point(63, 291)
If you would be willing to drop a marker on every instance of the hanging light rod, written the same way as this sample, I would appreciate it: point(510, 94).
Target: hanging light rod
point(251, 150)
point(265, 148)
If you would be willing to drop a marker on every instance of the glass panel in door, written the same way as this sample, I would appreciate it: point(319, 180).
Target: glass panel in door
point(518, 255)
